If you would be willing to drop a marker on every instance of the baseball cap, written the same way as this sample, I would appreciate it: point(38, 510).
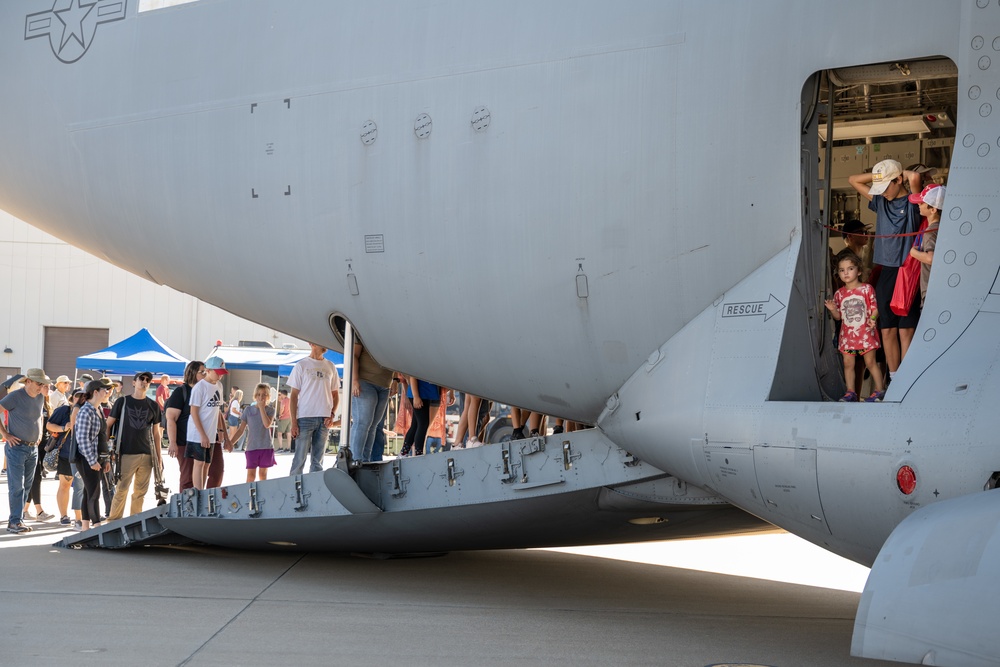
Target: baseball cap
point(37, 375)
point(216, 364)
point(884, 173)
point(79, 390)
point(932, 195)
point(144, 375)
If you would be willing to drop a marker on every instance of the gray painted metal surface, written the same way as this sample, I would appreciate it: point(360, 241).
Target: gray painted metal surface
point(537, 492)
point(640, 174)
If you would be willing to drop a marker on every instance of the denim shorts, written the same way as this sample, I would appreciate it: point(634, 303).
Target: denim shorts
point(195, 451)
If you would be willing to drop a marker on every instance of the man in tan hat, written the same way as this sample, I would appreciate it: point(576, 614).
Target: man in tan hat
point(60, 396)
point(22, 433)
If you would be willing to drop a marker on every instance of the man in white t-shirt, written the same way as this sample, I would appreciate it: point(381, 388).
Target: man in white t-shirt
point(315, 384)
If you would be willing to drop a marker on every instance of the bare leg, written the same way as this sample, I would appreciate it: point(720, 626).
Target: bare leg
point(905, 338)
point(875, 371)
point(262, 473)
point(890, 343)
point(472, 418)
point(62, 495)
point(199, 474)
point(849, 370)
point(251, 475)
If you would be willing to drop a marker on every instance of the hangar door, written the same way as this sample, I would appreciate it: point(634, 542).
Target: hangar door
point(64, 344)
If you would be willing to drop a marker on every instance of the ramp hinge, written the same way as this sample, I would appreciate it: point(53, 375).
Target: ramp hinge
point(452, 473)
point(398, 483)
point(631, 460)
point(506, 467)
point(568, 455)
point(254, 503)
point(301, 497)
point(213, 505)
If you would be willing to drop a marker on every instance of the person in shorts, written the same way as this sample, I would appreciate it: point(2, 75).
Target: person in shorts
point(256, 421)
point(206, 429)
point(895, 218)
point(284, 426)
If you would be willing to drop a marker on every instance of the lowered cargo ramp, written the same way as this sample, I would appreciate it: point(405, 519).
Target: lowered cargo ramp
point(560, 490)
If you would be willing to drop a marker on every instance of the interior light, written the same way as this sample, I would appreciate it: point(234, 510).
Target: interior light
point(876, 127)
point(279, 543)
point(906, 480)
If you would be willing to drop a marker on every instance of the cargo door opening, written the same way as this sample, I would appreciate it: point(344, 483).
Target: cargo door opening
point(852, 119)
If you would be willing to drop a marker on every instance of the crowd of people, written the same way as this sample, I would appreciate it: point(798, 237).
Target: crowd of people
point(105, 447)
point(883, 284)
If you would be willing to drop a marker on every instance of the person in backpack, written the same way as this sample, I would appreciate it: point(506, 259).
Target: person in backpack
point(178, 410)
point(138, 436)
point(61, 424)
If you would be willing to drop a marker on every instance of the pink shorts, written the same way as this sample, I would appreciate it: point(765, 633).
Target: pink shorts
point(260, 458)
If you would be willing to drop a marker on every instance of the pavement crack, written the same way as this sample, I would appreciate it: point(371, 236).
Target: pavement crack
point(241, 611)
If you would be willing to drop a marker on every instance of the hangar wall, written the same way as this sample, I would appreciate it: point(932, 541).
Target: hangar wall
point(45, 282)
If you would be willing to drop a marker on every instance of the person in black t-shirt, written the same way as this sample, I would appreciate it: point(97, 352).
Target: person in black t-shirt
point(138, 427)
point(178, 410)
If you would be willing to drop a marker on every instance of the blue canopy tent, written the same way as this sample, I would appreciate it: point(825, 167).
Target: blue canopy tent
point(140, 352)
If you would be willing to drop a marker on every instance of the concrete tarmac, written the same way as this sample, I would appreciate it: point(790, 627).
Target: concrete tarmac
point(209, 606)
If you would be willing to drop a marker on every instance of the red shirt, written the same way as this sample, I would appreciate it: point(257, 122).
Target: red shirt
point(857, 331)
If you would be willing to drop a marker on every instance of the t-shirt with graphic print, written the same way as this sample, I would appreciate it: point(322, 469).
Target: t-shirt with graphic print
point(857, 331)
point(207, 397)
point(135, 429)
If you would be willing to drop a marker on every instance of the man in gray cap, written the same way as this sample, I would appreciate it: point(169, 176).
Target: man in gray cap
point(22, 433)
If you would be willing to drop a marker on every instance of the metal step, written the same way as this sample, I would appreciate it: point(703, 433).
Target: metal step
point(140, 529)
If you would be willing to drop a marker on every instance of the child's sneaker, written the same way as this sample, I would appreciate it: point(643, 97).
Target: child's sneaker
point(849, 397)
point(876, 397)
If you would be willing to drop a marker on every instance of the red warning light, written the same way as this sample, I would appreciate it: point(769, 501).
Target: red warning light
point(931, 118)
point(906, 480)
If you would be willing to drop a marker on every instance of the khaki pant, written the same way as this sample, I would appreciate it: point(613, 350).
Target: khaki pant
point(139, 466)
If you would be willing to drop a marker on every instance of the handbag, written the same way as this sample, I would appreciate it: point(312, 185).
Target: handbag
point(907, 282)
point(51, 460)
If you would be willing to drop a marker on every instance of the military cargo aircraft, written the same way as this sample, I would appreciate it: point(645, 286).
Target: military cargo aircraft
point(614, 213)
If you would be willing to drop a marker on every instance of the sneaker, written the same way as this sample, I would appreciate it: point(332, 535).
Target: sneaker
point(517, 433)
point(44, 516)
point(65, 521)
point(876, 397)
point(77, 525)
point(849, 397)
point(17, 528)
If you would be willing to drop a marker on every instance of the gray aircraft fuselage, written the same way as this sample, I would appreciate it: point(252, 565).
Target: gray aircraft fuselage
point(594, 210)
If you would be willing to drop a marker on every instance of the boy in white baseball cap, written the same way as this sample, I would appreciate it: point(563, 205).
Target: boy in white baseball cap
point(894, 216)
point(931, 202)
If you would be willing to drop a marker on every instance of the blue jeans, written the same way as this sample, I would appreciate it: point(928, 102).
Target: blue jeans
point(21, 461)
point(312, 439)
point(367, 413)
point(77, 502)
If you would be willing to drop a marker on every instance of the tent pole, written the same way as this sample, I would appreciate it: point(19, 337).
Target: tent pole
point(345, 394)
